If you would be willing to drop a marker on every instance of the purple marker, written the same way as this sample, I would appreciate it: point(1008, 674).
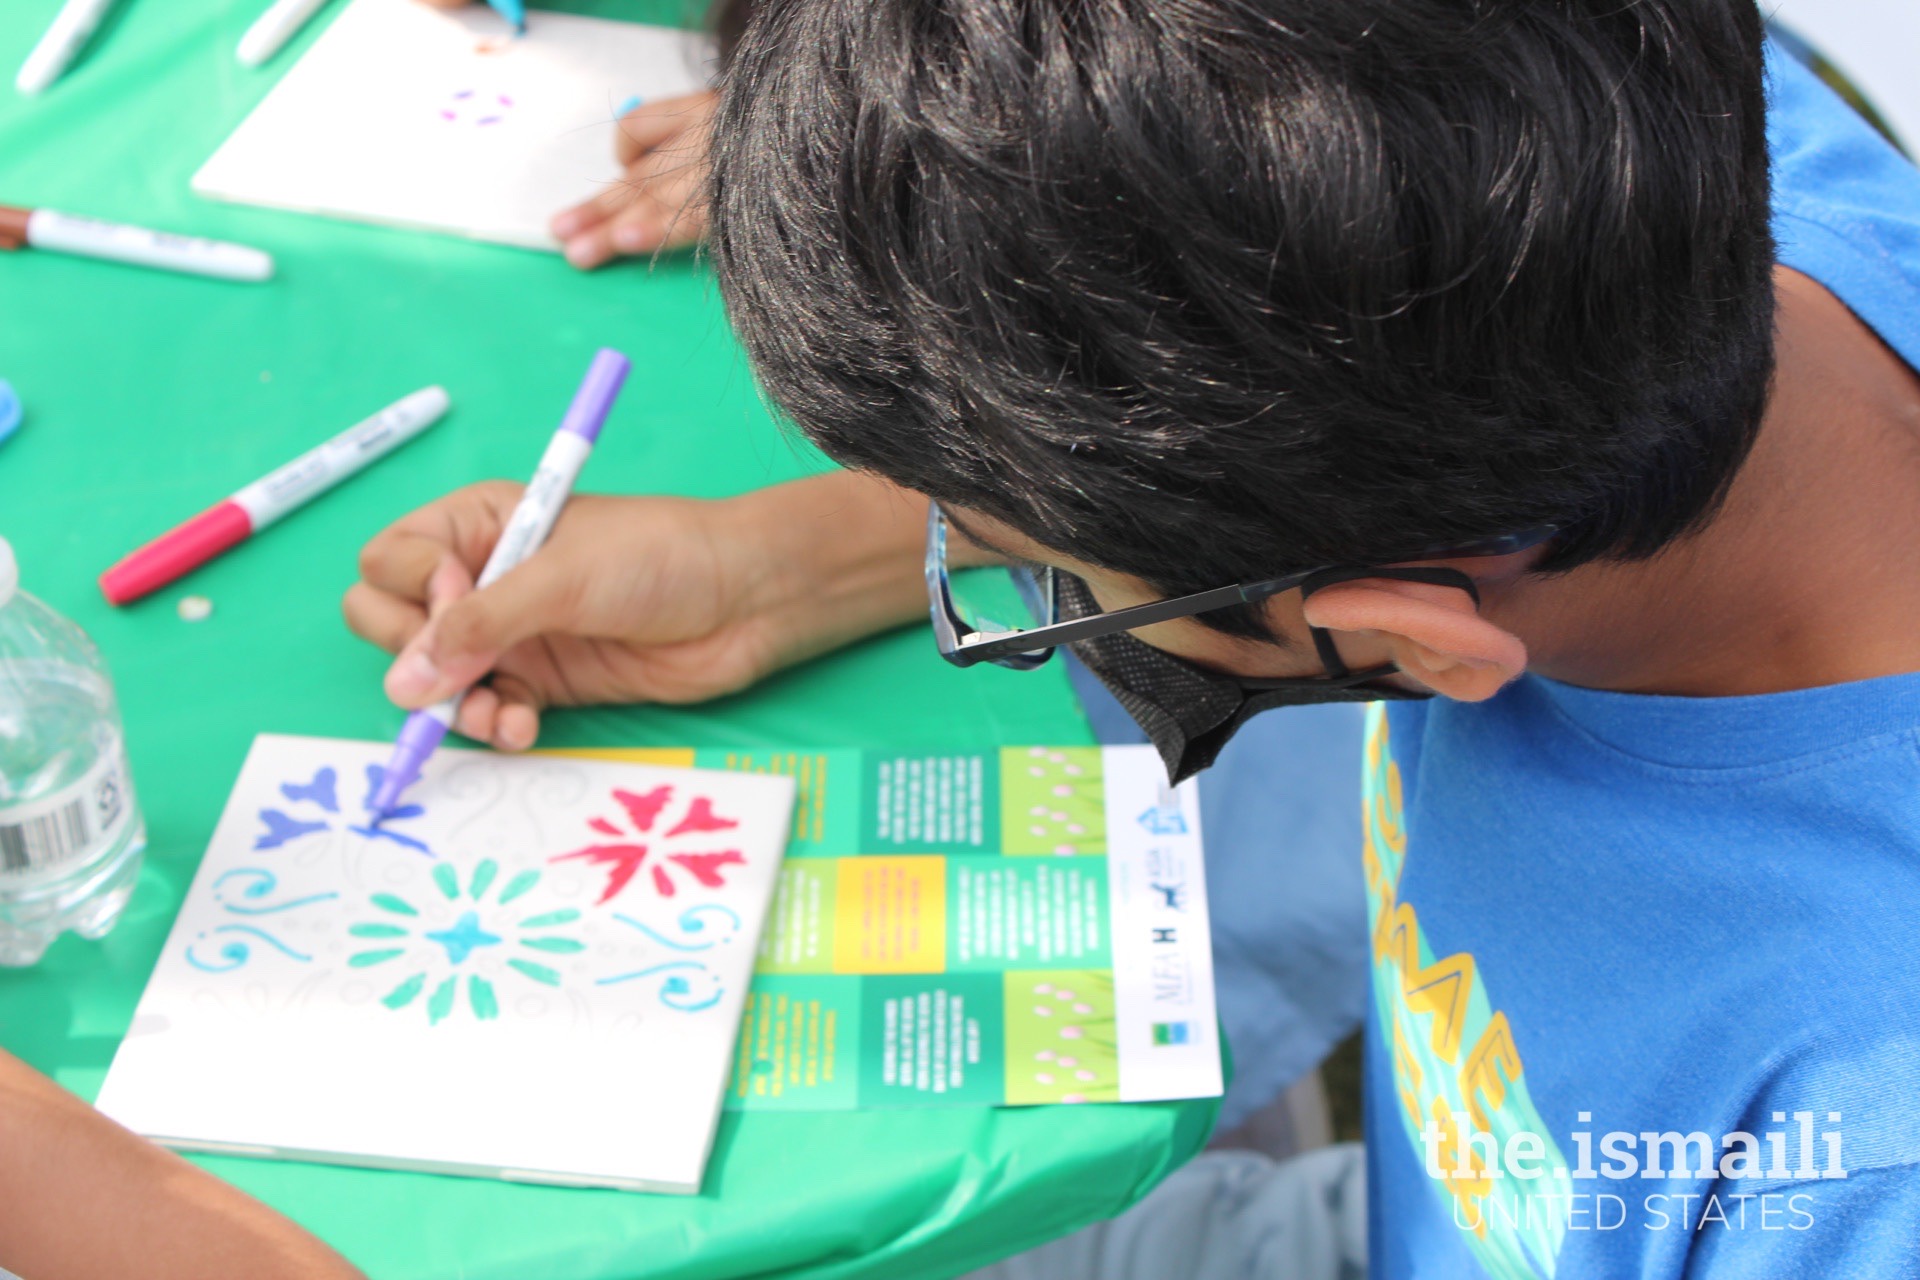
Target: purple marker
point(526, 529)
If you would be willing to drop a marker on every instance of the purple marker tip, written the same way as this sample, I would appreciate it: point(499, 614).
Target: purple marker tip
point(418, 737)
point(594, 400)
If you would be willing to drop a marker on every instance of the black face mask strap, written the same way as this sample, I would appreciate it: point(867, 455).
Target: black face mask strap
point(1435, 576)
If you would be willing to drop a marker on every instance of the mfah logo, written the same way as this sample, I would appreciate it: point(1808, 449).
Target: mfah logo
point(1172, 975)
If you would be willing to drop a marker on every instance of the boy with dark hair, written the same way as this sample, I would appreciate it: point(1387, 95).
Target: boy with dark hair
point(1315, 350)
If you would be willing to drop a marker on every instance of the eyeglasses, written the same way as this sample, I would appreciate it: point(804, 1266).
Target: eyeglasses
point(968, 629)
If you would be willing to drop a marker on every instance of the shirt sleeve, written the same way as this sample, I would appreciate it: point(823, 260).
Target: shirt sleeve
point(1846, 204)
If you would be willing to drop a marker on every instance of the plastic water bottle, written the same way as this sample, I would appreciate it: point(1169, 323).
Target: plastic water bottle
point(70, 831)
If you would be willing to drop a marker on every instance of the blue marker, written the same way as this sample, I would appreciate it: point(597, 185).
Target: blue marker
point(526, 529)
point(514, 11)
point(10, 411)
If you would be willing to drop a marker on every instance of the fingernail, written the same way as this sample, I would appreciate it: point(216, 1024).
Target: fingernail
point(580, 253)
point(629, 238)
point(565, 224)
point(512, 739)
point(412, 677)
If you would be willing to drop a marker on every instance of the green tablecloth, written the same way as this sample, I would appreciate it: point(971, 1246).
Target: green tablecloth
point(150, 395)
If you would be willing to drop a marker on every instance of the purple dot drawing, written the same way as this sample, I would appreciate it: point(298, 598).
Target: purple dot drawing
point(476, 107)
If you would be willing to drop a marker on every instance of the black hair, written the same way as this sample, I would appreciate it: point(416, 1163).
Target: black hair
point(1207, 290)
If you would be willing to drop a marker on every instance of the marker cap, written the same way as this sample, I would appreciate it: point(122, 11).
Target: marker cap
point(199, 540)
point(592, 402)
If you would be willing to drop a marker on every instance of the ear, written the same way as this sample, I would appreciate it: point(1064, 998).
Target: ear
point(1433, 634)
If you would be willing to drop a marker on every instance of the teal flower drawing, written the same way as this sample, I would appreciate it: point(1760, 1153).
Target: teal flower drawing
point(461, 941)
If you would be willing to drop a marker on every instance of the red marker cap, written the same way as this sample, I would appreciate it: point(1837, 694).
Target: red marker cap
point(177, 552)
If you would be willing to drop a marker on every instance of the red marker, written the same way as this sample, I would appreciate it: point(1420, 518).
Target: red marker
point(220, 528)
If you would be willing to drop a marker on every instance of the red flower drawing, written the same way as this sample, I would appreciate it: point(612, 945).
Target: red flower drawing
point(624, 859)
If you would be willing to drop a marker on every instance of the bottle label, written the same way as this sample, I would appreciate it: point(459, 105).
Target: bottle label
point(66, 827)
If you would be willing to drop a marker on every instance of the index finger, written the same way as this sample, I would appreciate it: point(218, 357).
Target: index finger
point(401, 559)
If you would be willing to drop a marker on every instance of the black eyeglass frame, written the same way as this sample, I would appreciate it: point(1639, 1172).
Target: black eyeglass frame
point(1023, 649)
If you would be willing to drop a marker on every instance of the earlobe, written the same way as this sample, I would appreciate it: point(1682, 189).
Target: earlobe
point(1434, 633)
point(1451, 676)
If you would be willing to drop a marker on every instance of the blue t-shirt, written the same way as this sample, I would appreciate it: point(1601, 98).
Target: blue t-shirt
point(1615, 934)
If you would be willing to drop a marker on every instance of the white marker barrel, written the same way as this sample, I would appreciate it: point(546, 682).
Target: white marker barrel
point(546, 494)
point(64, 37)
point(319, 469)
point(274, 28)
point(92, 238)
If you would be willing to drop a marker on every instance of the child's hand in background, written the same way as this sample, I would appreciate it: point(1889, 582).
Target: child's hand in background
point(662, 146)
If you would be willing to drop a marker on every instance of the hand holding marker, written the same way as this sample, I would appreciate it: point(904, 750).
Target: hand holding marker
point(532, 520)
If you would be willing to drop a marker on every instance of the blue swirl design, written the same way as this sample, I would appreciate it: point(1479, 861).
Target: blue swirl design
point(236, 952)
point(259, 883)
point(690, 923)
point(677, 991)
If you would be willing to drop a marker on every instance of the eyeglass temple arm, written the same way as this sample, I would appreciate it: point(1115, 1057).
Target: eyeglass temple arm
point(1139, 615)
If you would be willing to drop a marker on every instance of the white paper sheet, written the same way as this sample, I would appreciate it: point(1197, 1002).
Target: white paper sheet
point(534, 972)
point(408, 116)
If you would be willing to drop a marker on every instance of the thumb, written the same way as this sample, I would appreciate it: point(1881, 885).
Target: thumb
point(467, 635)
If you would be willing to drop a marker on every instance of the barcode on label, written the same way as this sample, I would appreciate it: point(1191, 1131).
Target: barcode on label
point(44, 840)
